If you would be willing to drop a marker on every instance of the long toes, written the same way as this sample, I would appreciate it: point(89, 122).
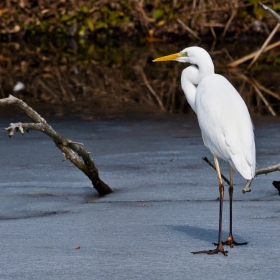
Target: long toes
point(232, 243)
point(212, 252)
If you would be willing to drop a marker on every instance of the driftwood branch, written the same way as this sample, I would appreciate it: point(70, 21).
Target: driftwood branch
point(247, 186)
point(72, 150)
point(268, 169)
point(260, 171)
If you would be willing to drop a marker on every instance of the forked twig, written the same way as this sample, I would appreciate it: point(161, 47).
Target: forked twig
point(260, 171)
point(268, 169)
point(71, 150)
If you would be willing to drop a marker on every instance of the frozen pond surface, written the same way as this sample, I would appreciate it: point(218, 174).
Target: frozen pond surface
point(163, 207)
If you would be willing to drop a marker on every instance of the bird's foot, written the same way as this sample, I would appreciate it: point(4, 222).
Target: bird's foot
point(219, 249)
point(231, 242)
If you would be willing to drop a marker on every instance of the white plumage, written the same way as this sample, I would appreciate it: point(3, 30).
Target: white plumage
point(225, 124)
point(223, 118)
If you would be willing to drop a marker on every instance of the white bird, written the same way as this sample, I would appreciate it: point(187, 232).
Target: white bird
point(224, 120)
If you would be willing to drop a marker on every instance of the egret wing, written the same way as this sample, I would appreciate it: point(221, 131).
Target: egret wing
point(226, 124)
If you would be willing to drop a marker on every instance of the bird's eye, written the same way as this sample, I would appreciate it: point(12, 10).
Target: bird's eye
point(184, 53)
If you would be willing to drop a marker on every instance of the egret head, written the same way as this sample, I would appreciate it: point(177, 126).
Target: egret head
point(193, 55)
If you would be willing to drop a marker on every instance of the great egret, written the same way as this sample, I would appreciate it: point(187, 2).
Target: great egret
point(224, 121)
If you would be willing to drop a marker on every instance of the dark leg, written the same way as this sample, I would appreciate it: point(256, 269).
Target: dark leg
point(220, 247)
point(230, 241)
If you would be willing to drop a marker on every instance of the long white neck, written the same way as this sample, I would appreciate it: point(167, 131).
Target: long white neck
point(205, 67)
point(189, 91)
point(192, 75)
point(189, 80)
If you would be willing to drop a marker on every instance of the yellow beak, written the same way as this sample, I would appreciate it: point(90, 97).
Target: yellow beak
point(168, 57)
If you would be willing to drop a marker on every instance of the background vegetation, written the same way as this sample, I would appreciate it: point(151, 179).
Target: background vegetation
point(89, 56)
point(153, 19)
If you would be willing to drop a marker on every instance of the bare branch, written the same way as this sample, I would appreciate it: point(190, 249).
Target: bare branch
point(48, 90)
point(188, 29)
point(275, 15)
point(260, 171)
point(224, 177)
point(11, 100)
point(257, 87)
point(266, 90)
point(251, 55)
point(233, 14)
point(268, 169)
point(261, 50)
point(262, 97)
point(71, 150)
point(142, 73)
point(247, 186)
point(269, 37)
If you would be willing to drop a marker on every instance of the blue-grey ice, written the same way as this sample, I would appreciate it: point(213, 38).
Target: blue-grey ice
point(164, 205)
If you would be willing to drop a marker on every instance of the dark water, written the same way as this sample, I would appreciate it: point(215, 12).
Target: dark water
point(70, 77)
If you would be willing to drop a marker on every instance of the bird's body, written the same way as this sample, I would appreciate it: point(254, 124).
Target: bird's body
point(223, 118)
point(225, 124)
point(189, 81)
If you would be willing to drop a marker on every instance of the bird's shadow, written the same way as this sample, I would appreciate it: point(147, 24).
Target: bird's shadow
point(203, 234)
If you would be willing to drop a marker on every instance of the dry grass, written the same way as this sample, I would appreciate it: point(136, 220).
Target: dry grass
point(163, 20)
